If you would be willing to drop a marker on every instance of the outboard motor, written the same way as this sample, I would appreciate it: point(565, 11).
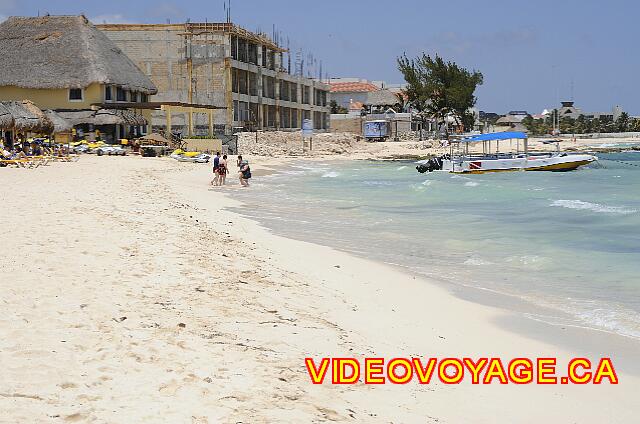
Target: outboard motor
point(433, 164)
point(422, 168)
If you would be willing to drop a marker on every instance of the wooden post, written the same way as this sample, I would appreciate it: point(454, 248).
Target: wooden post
point(190, 122)
point(167, 112)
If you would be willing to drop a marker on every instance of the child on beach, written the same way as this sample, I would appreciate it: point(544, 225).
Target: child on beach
point(223, 170)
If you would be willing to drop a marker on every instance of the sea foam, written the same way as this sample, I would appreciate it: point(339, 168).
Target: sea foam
point(594, 207)
point(331, 174)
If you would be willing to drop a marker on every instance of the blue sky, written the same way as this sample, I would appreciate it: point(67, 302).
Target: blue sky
point(531, 53)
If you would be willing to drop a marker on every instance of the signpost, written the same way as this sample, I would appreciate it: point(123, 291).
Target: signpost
point(307, 131)
point(390, 114)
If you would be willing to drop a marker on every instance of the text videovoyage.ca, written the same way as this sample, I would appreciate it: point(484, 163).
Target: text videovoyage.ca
point(456, 370)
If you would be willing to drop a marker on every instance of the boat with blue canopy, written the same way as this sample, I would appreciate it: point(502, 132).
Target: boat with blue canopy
point(466, 158)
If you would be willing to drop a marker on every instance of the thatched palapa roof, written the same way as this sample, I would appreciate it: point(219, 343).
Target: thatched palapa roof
point(6, 119)
point(382, 98)
point(103, 117)
point(510, 119)
point(24, 116)
point(64, 52)
point(155, 138)
point(60, 125)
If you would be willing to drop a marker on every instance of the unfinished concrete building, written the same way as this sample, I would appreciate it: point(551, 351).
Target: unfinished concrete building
point(221, 64)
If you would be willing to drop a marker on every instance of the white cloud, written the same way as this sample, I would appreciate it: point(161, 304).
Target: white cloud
point(110, 19)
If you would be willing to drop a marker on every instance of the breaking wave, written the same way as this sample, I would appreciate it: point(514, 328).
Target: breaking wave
point(330, 175)
point(594, 207)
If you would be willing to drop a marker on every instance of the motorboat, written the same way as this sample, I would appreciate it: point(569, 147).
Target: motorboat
point(464, 159)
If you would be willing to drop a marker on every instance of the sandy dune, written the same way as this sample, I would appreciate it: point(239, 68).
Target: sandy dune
point(130, 296)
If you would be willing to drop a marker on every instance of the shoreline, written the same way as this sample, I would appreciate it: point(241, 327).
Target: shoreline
point(556, 338)
point(287, 144)
point(152, 302)
point(518, 309)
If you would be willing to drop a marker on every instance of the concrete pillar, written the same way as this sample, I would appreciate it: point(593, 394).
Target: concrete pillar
point(277, 96)
point(228, 95)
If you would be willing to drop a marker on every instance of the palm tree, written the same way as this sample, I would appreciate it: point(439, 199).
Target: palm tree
point(622, 123)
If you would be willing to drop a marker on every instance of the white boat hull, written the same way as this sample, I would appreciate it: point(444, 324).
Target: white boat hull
point(480, 165)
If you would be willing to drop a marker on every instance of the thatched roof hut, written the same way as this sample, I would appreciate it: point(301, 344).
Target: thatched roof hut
point(52, 52)
point(382, 98)
point(155, 139)
point(60, 125)
point(6, 118)
point(103, 117)
point(25, 116)
point(510, 119)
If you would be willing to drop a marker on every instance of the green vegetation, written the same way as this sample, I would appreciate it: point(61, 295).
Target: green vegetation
point(583, 125)
point(439, 89)
point(335, 108)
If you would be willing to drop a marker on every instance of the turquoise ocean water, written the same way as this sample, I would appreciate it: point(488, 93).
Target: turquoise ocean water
point(569, 242)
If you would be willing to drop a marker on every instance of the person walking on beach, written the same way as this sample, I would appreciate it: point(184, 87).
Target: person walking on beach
point(223, 170)
point(245, 173)
point(216, 164)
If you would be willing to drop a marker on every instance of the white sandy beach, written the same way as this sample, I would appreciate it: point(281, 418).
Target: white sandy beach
point(130, 295)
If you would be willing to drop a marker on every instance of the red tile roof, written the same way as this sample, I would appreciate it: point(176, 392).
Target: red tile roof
point(352, 87)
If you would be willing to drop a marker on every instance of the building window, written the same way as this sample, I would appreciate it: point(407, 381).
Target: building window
point(121, 95)
point(234, 47)
point(242, 82)
point(253, 53)
point(306, 95)
point(253, 84)
point(242, 50)
point(144, 98)
point(107, 93)
point(75, 94)
point(234, 80)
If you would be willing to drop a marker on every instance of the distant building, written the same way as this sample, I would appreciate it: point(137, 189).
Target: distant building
point(64, 63)
point(347, 93)
point(513, 120)
point(374, 95)
point(569, 110)
point(488, 116)
point(513, 117)
point(224, 66)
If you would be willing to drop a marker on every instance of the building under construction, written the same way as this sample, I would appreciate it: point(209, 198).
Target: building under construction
point(223, 65)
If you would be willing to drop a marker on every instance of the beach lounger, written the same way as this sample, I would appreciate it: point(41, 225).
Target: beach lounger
point(18, 163)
